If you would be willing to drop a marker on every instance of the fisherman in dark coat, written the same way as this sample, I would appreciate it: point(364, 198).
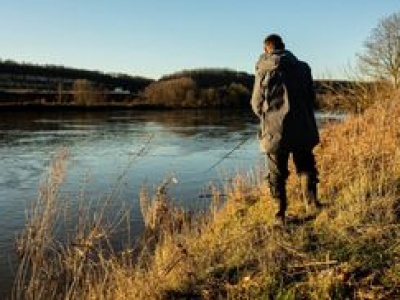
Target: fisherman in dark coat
point(283, 98)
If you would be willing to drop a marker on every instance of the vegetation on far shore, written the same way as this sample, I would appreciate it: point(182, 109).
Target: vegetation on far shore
point(349, 250)
point(33, 86)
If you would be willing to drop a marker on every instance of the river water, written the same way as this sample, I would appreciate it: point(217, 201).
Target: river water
point(117, 150)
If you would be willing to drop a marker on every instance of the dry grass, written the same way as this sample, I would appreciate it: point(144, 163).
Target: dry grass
point(62, 246)
point(351, 250)
point(352, 96)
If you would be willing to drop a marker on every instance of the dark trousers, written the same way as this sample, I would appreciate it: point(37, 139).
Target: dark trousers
point(277, 163)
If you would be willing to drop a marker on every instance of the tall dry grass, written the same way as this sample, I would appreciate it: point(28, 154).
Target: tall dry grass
point(350, 250)
point(35, 244)
point(61, 245)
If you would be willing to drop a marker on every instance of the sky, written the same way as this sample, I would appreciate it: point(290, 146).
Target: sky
point(152, 38)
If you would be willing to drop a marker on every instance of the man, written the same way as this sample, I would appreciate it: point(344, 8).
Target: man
point(283, 98)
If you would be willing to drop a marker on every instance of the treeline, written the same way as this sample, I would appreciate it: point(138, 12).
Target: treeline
point(209, 77)
point(36, 78)
point(200, 88)
point(229, 88)
point(22, 83)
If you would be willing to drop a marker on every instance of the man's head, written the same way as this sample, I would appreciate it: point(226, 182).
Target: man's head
point(273, 42)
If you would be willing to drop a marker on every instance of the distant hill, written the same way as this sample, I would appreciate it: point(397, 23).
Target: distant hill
point(200, 88)
point(226, 88)
point(214, 77)
point(24, 82)
point(30, 84)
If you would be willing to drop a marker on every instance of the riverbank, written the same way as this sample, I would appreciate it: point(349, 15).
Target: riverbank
point(350, 249)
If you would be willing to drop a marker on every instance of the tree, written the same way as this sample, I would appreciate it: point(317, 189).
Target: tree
point(170, 92)
point(85, 93)
point(381, 58)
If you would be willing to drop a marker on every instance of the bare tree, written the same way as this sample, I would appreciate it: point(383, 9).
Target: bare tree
point(381, 58)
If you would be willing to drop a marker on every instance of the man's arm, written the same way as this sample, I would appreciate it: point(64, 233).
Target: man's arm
point(310, 86)
point(263, 66)
point(256, 98)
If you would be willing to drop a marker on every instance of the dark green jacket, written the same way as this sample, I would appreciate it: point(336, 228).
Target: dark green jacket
point(283, 98)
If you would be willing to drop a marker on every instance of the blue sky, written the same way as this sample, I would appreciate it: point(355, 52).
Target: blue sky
point(152, 38)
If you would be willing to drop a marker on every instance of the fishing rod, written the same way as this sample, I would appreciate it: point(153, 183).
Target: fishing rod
point(242, 142)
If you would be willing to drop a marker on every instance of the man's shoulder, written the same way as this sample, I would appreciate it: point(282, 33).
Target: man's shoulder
point(304, 65)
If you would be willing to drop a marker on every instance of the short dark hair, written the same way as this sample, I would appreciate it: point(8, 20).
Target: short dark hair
point(275, 41)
